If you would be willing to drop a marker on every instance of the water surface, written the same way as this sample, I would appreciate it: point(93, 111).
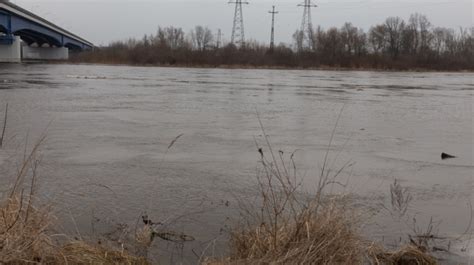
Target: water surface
point(105, 158)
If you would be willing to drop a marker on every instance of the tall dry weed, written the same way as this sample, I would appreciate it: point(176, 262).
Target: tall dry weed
point(4, 127)
point(26, 228)
point(289, 227)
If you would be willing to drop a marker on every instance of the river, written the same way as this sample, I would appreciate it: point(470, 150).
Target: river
point(105, 159)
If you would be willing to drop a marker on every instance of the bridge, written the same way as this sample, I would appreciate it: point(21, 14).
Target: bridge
point(24, 35)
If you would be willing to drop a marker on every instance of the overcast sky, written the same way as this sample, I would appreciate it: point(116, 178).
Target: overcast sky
point(102, 21)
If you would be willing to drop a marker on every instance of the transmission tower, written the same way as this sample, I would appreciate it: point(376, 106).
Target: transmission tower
point(219, 38)
point(238, 35)
point(272, 39)
point(306, 30)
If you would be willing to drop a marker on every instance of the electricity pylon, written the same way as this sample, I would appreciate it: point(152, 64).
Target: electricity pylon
point(219, 38)
point(306, 30)
point(272, 39)
point(238, 34)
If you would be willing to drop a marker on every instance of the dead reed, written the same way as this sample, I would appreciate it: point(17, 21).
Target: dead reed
point(23, 235)
point(26, 228)
point(2, 136)
point(83, 253)
point(400, 198)
point(289, 227)
point(407, 255)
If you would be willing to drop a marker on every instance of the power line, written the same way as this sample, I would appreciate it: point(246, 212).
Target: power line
point(238, 33)
point(272, 39)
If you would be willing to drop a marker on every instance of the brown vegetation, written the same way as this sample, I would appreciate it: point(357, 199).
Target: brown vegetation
point(326, 237)
point(394, 44)
point(26, 230)
point(288, 227)
point(407, 255)
point(2, 136)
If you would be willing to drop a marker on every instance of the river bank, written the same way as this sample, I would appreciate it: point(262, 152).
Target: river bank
point(270, 67)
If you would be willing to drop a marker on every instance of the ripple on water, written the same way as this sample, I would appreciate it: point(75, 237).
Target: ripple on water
point(111, 126)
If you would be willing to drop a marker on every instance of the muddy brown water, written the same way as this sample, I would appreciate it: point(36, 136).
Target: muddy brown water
point(105, 158)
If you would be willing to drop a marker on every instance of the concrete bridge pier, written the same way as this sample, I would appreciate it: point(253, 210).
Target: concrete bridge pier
point(11, 53)
point(45, 53)
point(18, 51)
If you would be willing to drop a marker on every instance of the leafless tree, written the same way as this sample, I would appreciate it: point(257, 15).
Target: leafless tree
point(394, 27)
point(391, 44)
point(298, 38)
point(170, 37)
point(377, 36)
point(202, 38)
point(440, 35)
point(349, 37)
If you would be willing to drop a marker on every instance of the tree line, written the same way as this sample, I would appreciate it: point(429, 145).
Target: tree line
point(393, 44)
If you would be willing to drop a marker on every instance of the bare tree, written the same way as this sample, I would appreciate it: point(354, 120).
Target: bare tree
point(414, 45)
point(377, 36)
point(161, 38)
point(360, 44)
point(170, 37)
point(175, 37)
point(425, 33)
point(419, 34)
point(349, 37)
point(451, 43)
point(146, 40)
point(202, 38)
point(298, 38)
point(439, 40)
point(412, 34)
point(334, 41)
point(394, 27)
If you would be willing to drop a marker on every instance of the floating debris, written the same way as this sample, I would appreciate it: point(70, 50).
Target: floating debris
point(150, 232)
point(86, 77)
point(173, 237)
point(445, 156)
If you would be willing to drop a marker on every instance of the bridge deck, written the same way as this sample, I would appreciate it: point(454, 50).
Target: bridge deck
point(26, 15)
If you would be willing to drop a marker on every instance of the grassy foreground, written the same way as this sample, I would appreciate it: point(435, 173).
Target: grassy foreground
point(27, 234)
point(322, 239)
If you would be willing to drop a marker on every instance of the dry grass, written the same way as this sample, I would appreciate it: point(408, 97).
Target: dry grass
point(83, 253)
point(289, 227)
point(325, 237)
point(25, 229)
point(400, 198)
point(23, 235)
point(407, 255)
point(2, 136)
point(24, 239)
